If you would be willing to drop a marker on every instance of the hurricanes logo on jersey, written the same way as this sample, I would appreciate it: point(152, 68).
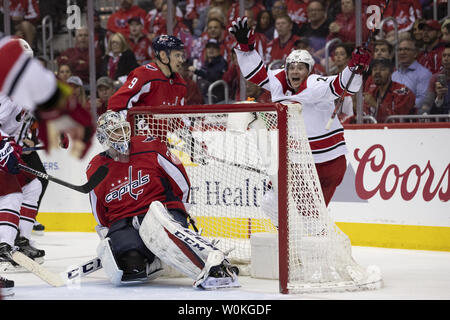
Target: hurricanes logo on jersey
point(129, 187)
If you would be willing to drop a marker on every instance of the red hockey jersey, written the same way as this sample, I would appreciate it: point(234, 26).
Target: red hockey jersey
point(148, 86)
point(153, 173)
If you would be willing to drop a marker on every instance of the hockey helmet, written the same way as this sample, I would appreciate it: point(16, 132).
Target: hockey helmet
point(167, 43)
point(113, 131)
point(303, 56)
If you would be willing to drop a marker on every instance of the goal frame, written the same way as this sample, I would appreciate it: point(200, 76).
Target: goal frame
point(282, 126)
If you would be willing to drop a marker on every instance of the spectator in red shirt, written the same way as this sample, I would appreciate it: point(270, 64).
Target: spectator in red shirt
point(139, 43)
point(215, 29)
point(233, 12)
point(118, 21)
point(344, 26)
point(296, 9)
point(78, 56)
point(385, 97)
point(151, 16)
point(280, 47)
point(430, 58)
point(180, 30)
point(405, 13)
point(193, 94)
point(24, 15)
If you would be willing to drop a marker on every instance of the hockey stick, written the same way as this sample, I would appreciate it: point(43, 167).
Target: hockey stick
point(36, 148)
point(51, 278)
point(82, 270)
point(95, 179)
point(340, 101)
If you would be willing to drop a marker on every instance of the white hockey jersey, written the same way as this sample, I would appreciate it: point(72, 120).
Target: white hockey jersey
point(316, 94)
point(14, 121)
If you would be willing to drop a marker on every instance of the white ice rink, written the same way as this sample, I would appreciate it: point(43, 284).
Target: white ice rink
point(407, 274)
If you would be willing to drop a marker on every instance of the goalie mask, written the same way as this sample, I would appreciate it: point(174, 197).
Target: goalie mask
point(113, 131)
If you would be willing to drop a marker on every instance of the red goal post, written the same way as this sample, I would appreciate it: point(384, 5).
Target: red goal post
point(226, 144)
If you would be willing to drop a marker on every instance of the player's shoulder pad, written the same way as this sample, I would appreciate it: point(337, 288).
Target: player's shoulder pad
point(146, 144)
point(97, 161)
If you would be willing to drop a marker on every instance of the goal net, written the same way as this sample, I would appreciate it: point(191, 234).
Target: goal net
point(251, 172)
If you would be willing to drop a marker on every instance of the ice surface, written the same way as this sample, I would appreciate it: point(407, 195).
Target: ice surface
point(407, 275)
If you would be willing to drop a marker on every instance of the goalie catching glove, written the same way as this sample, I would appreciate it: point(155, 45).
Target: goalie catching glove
point(245, 36)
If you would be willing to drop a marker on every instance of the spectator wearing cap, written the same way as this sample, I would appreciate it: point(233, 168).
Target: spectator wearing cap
point(119, 60)
point(118, 20)
point(212, 70)
point(385, 97)
point(105, 89)
point(430, 58)
point(78, 90)
point(139, 43)
point(411, 73)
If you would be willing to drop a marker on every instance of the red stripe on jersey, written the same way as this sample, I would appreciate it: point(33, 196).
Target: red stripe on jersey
point(337, 85)
point(9, 54)
point(28, 213)
point(259, 76)
point(281, 76)
point(6, 216)
point(327, 142)
point(186, 250)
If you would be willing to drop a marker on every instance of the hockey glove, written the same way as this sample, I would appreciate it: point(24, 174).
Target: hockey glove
point(10, 153)
point(360, 60)
point(244, 35)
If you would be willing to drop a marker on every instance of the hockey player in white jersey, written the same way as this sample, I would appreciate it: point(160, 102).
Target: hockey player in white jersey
point(28, 87)
point(295, 83)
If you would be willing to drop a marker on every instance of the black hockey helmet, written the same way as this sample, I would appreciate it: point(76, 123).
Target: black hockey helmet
point(167, 43)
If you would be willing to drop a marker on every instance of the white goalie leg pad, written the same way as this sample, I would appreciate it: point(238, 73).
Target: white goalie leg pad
point(175, 245)
point(106, 256)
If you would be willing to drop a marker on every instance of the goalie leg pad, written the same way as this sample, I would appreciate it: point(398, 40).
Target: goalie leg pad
point(174, 244)
point(106, 256)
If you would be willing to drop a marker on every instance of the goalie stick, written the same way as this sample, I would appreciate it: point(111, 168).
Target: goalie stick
point(95, 179)
point(342, 96)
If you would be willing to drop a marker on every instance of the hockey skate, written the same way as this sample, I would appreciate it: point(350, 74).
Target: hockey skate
point(6, 287)
point(7, 263)
point(30, 251)
point(218, 273)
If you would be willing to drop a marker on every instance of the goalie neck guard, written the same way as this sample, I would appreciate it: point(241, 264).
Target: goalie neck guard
point(113, 131)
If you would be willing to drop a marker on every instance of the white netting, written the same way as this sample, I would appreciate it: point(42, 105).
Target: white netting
point(232, 163)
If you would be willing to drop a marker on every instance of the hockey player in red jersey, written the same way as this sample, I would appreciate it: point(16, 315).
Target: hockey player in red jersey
point(295, 83)
point(157, 83)
point(140, 208)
